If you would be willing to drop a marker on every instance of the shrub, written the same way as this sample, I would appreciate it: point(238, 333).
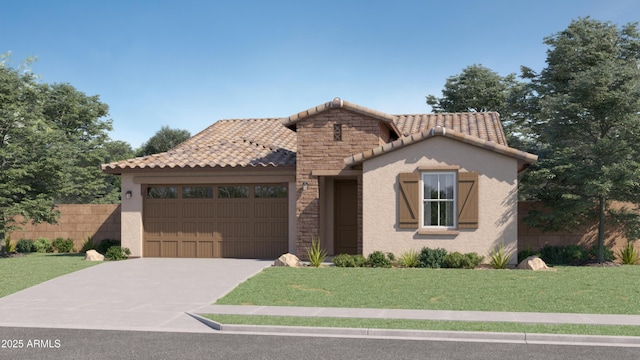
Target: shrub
point(25, 246)
point(523, 254)
point(499, 257)
point(456, 260)
point(608, 253)
point(359, 260)
point(430, 258)
point(344, 260)
point(117, 253)
point(409, 259)
point(391, 256)
point(9, 247)
point(105, 244)
point(63, 246)
point(316, 254)
point(378, 259)
point(629, 255)
point(563, 255)
point(88, 245)
point(42, 245)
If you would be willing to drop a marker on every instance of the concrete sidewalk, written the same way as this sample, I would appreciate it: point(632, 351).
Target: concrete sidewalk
point(464, 336)
point(483, 316)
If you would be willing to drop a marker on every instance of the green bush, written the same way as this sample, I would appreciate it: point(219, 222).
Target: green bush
point(25, 246)
point(117, 253)
point(391, 256)
point(43, 245)
point(344, 260)
point(430, 258)
point(63, 246)
point(608, 253)
point(629, 255)
point(456, 260)
point(523, 254)
point(316, 254)
point(9, 247)
point(359, 260)
point(499, 257)
point(88, 245)
point(409, 259)
point(378, 259)
point(563, 255)
point(105, 244)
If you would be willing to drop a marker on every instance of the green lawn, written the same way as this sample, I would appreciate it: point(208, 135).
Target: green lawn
point(19, 273)
point(594, 290)
point(427, 325)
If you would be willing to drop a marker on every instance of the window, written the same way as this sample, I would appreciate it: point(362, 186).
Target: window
point(233, 192)
point(337, 132)
point(197, 192)
point(270, 191)
point(439, 199)
point(162, 192)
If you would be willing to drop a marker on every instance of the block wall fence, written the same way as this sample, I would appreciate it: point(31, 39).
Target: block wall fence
point(102, 221)
point(77, 222)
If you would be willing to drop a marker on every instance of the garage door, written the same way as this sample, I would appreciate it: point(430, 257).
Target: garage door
point(213, 221)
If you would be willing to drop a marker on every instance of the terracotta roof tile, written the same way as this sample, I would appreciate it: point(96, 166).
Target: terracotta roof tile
point(232, 143)
point(269, 142)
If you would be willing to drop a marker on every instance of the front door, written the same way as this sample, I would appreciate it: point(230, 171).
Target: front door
point(346, 217)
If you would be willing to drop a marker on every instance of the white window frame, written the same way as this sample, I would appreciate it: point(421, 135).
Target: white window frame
point(453, 201)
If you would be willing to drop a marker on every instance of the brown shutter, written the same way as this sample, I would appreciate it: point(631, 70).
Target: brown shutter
point(408, 200)
point(467, 200)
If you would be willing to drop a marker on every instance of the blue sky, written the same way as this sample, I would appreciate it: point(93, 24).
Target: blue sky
point(188, 63)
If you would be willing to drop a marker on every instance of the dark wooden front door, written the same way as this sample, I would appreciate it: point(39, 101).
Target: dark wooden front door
point(346, 217)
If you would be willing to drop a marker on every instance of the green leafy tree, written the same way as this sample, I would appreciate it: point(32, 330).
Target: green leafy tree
point(588, 105)
point(479, 89)
point(163, 140)
point(115, 150)
point(51, 145)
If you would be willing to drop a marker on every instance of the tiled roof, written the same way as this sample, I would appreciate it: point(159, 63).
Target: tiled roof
point(270, 142)
point(486, 126)
point(524, 158)
point(232, 143)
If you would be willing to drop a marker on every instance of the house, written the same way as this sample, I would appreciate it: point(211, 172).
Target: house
point(359, 179)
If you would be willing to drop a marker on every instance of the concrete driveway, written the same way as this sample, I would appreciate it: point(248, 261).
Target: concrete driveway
point(138, 294)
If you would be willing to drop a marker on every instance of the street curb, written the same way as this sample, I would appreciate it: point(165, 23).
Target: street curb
point(430, 335)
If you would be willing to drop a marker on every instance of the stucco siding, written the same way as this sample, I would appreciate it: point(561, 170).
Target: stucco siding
point(497, 186)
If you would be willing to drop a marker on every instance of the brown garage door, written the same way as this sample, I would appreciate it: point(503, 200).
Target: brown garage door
point(213, 221)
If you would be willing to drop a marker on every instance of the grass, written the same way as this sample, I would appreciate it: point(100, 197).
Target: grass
point(592, 290)
point(19, 273)
point(427, 325)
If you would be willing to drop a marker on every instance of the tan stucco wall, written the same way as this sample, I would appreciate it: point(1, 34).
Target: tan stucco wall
point(131, 216)
point(497, 198)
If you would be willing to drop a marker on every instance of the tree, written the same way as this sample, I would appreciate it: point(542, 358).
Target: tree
point(115, 150)
point(479, 89)
point(163, 140)
point(588, 101)
point(51, 144)
point(82, 130)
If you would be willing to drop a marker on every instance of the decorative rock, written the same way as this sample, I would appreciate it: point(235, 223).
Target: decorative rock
point(533, 263)
point(93, 255)
point(288, 260)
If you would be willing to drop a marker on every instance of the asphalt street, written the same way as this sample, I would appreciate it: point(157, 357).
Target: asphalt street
point(43, 344)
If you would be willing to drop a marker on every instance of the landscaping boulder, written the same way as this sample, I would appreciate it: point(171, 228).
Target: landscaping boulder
point(92, 255)
point(533, 263)
point(288, 260)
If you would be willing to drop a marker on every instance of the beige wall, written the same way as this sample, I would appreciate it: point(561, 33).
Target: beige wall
point(497, 198)
point(76, 222)
point(131, 223)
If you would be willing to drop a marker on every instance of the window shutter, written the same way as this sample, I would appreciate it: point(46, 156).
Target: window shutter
point(409, 200)
point(467, 200)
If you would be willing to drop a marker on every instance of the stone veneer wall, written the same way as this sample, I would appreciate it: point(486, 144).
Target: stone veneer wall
point(317, 150)
point(77, 222)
